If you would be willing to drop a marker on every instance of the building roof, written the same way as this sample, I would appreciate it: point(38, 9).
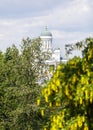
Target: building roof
point(46, 33)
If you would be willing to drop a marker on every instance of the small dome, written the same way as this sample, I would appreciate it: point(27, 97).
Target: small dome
point(46, 33)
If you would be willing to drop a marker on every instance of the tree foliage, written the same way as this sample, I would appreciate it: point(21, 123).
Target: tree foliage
point(65, 103)
point(19, 72)
point(69, 93)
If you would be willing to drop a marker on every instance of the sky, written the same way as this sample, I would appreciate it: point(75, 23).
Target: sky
point(69, 21)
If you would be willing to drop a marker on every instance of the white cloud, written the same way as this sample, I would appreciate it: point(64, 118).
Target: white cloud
point(68, 23)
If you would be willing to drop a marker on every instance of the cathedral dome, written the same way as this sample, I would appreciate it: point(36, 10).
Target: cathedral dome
point(46, 33)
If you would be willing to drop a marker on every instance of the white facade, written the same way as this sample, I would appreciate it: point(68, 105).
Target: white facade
point(46, 43)
point(56, 55)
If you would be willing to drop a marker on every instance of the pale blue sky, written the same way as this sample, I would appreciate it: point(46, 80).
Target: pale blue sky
point(68, 20)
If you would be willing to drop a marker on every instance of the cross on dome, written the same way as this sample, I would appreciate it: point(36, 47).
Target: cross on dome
point(46, 32)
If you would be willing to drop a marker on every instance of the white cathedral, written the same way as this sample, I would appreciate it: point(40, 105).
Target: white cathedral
point(46, 38)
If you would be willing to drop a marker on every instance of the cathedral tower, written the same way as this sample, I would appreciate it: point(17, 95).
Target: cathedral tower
point(46, 38)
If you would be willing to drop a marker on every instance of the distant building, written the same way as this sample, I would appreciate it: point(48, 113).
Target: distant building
point(55, 55)
point(47, 46)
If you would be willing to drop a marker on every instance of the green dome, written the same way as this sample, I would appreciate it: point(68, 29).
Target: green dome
point(46, 33)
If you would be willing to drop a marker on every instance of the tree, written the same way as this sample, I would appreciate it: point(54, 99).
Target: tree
point(34, 59)
point(69, 94)
point(19, 88)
